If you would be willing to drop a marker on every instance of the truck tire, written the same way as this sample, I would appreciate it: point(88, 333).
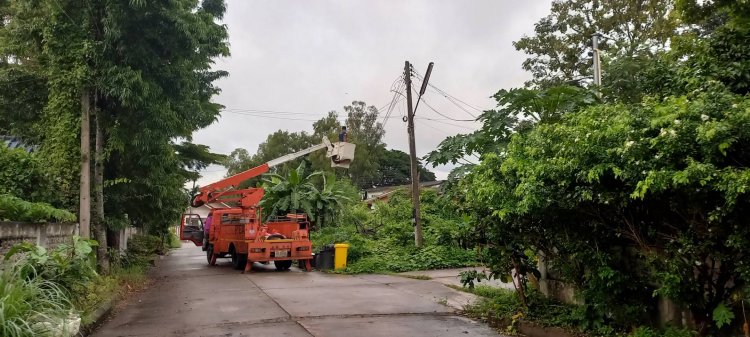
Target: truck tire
point(238, 260)
point(282, 265)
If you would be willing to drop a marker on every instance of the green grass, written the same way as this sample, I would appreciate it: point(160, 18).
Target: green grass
point(122, 281)
point(39, 285)
point(24, 302)
point(174, 240)
point(502, 309)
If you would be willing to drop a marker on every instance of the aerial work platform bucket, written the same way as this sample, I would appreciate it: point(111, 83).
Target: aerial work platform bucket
point(341, 154)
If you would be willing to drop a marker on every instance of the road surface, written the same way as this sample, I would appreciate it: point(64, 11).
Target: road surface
point(189, 298)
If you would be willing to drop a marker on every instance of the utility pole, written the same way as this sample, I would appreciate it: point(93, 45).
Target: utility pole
point(413, 149)
point(597, 61)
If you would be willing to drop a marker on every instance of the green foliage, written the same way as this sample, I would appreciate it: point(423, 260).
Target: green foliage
point(15, 209)
point(196, 157)
point(559, 42)
point(518, 110)
point(395, 169)
point(615, 175)
point(23, 174)
point(373, 165)
point(69, 265)
point(328, 199)
point(722, 315)
point(37, 284)
point(640, 194)
point(298, 193)
point(174, 240)
point(149, 66)
point(383, 240)
point(643, 331)
point(28, 301)
point(276, 145)
point(290, 194)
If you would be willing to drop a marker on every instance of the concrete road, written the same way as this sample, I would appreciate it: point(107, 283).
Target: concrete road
point(189, 298)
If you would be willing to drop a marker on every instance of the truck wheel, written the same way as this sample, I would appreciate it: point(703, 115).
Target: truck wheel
point(282, 265)
point(238, 260)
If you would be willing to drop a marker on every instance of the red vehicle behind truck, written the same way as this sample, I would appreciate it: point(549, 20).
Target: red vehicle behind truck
point(237, 229)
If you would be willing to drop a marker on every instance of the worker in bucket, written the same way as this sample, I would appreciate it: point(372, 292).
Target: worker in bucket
point(343, 136)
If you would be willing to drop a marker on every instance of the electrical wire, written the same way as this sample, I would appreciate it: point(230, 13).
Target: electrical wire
point(272, 117)
point(439, 113)
point(449, 97)
point(394, 101)
point(435, 128)
point(64, 12)
point(263, 115)
point(451, 124)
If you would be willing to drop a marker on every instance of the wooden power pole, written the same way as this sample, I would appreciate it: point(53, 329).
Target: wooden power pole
point(413, 149)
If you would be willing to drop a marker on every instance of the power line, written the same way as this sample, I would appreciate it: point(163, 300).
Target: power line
point(438, 112)
point(265, 115)
point(451, 98)
point(451, 124)
point(394, 100)
point(272, 117)
point(438, 129)
point(64, 12)
point(447, 95)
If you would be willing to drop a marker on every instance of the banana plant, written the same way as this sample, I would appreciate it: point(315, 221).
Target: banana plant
point(288, 194)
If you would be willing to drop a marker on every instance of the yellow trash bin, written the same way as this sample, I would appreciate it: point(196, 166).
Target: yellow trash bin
point(339, 261)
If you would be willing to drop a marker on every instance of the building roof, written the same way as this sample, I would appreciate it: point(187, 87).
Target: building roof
point(394, 187)
point(388, 190)
point(15, 143)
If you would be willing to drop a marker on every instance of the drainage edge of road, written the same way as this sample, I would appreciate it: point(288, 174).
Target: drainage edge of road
point(97, 317)
point(101, 313)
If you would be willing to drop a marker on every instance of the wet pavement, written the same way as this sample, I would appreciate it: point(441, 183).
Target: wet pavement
point(190, 298)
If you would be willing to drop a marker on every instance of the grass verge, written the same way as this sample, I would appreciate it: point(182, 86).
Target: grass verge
point(502, 309)
point(43, 292)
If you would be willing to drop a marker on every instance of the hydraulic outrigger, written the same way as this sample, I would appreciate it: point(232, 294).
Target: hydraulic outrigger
point(237, 228)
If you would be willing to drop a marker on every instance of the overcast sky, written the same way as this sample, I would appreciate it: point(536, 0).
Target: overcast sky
point(305, 58)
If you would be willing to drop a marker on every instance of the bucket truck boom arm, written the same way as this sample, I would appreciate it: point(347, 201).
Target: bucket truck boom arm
point(341, 155)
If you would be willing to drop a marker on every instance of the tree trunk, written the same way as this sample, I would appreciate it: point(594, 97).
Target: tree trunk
point(517, 277)
point(84, 202)
point(100, 227)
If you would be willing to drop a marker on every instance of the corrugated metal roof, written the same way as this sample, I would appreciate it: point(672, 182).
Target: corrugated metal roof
point(15, 143)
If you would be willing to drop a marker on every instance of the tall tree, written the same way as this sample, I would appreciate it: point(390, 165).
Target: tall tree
point(561, 40)
point(367, 133)
point(276, 145)
point(364, 131)
point(394, 168)
point(144, 69)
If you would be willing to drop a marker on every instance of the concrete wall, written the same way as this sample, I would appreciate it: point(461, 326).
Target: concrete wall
point(123, 237)
point(668, 313)
point(44, 234)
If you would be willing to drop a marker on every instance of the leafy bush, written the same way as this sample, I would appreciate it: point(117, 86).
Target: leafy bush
point(174, 240)
point(383, 240)
point(16, 209)
point(38, 284)
point(391, 258)
point(23, 174)
point(143, 244)
point(70, 265)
